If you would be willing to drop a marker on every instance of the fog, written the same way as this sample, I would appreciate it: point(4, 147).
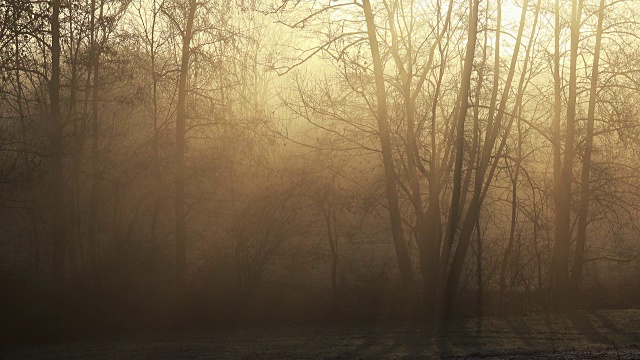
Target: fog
point(192, 166)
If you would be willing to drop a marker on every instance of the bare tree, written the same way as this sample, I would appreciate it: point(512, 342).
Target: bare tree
point(404, 261)
point(55, 131)
point(585, 192)
point(181, 250)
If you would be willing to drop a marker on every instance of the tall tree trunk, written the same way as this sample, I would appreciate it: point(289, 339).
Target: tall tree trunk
point(73, 230)
point(332, 235)
point(585, 193)
point(427, 225)
point(512, 228)
point(156, 140)
point(404, 64)
point(482, 180)
point(480, 299)
point(78, 158)
point(463, 98)
point(57, 154)
point(433, 216)
point(384, 133)
point(563, 195)
point(94, 197)
point(557, 123)
point(181, 249)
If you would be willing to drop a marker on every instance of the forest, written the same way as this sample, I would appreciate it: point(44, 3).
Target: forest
point(202, 164)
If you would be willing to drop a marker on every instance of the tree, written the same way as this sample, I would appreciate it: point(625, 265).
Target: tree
point(181, 250)
point(55, 131)
point(585, 183)
point(564, 177)
point(404, 261)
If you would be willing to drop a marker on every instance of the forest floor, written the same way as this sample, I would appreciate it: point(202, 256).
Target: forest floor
point(610, 334)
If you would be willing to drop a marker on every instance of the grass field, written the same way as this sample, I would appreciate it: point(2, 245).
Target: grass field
point(612, 334)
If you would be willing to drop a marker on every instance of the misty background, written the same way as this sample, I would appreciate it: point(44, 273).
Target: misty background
point(202, 163)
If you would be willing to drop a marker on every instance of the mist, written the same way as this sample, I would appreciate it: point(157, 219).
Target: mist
point(420, 177)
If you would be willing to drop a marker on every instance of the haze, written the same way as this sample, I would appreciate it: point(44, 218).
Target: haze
point(392, 178)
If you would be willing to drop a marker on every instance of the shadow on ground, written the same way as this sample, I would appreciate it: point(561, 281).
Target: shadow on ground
point(577, 335)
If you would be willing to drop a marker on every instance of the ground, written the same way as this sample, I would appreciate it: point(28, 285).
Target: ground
point(611, 334)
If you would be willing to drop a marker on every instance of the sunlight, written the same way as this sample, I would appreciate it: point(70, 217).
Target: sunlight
point(284, 179)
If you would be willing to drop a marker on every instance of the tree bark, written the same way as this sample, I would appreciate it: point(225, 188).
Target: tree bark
point(463, 98)
point(94, 197)
point(563, 190)
point(480, 299)
point(57, 154)
point(585, 193)
point(384, 133)
point(482, 183)
point(180, 218)
point(512, 227)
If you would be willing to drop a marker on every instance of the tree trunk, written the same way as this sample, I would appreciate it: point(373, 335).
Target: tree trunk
point(512, 228)
point(94, 197)
point(384, 133)
point(463, 98)
point(433, 216)
point(427, 225)
point(585, 192)
point(181, 251)
point(563, 190)
point(482, 183)
point(480, 298)
point(72, 221)
point(156, 140)
point(57, 154)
